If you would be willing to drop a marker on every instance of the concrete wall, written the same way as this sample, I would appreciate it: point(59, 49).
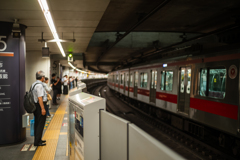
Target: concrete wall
point(35, 62)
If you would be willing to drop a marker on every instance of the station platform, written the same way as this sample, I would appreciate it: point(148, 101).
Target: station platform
point(55, 133)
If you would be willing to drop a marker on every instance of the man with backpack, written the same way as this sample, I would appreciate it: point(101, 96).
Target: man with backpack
point(40, 100)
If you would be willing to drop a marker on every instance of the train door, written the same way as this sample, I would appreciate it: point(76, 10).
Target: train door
point(184, 90)
point(153, 85)
point(123, 83)
point(135, 83)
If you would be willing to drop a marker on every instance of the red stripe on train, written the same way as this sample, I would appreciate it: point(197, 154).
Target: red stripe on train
point(130, 89)
point(121, 86)
point(221, 109)
point(166, 97)
point(143, 92)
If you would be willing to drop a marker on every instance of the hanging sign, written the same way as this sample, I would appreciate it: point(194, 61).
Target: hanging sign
point(232, 71)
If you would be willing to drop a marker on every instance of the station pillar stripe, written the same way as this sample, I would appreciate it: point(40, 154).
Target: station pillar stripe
point(52, 134)
point(6, 54)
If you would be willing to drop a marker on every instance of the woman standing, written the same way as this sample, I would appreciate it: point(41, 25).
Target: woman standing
point(59, 88)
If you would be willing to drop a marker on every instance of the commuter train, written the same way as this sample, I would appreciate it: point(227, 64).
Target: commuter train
point(199, 95)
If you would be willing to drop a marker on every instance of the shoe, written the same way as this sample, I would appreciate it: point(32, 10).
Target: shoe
point(43, 141)
point(40, 144)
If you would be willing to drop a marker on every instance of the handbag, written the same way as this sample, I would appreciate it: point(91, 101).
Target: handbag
point(49, 97)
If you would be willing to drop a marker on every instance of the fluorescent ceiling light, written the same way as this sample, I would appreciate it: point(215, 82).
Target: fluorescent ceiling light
point(76, 68)
point(71, 65)
point(47, 14)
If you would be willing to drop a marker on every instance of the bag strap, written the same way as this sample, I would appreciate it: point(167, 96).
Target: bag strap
point(33, 86)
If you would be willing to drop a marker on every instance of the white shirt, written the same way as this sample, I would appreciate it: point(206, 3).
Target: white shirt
point(65, 82)
point(39, 91)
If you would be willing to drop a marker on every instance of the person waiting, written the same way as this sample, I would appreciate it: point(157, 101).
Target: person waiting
point(40, 99)
point(55, 89)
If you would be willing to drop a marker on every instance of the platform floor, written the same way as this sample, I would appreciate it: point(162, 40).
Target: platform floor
point(55, 133)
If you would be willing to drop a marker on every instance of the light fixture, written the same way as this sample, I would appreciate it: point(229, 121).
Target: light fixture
point(164, 65)
point(71, 65)
point(76, 68)
point(44, 6)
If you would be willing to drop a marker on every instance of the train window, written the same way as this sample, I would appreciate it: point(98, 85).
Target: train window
point(188, 80)
point(162, 80)
point(166, 80)
point(169, 80)
point(216, 83)
point(131, 79)
point(122, 78)
point(143, 81)
point(113, 79)
point(155, 81)
point(136, 79)
point(127, 79)
point(212, 82)
point(116, 78)
point(203, 82)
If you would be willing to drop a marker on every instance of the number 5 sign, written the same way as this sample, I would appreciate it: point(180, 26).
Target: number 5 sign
point(4, 44)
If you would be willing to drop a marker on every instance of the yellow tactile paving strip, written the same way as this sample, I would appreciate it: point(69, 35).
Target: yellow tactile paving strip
point(52, 134)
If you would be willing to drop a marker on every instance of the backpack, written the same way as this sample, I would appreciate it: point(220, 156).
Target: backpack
point(29, 103)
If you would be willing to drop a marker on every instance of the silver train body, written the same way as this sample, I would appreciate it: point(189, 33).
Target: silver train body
point(203, 90)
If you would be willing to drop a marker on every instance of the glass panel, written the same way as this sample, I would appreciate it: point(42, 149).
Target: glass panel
point(189, 81)
point(169, 80)
point(216, 83)
point(121, 79)
point(143, 80)
point(131, 80)
point(152, 79)
point(136, 79)
point(155, 81)
point(116, 78)
point(127, 79)
point(113, 78)
point(182, 80)
point(203, 82)
point(162, 80)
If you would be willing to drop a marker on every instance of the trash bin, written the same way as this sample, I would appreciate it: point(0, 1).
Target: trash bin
point(32, 127)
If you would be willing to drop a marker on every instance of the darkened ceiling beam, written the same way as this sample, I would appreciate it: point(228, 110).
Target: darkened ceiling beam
point(172, 47)
point(102, 63)
point(162, 4)
point(94, 70)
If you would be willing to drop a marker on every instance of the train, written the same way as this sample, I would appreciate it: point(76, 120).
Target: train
point(196, 94)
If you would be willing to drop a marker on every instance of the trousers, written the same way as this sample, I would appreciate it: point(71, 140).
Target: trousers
point(39, 124)
point(54, 98)
point(65, 89)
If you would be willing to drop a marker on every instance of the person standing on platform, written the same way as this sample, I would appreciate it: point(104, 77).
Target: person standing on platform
point(40, 99)
point(76, 80)
point(48, 90)
point(65, 85)
point(55, 89)
point(59, 88)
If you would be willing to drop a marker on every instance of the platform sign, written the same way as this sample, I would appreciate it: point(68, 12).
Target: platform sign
point(12, 84)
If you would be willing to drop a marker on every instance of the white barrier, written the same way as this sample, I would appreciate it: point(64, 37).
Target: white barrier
point(145, 147)
point(121, 140)
point(113, 137)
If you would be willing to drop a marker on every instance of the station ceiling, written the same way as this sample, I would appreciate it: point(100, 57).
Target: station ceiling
point(100, 25)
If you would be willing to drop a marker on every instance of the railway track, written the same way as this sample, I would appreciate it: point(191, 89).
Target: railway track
point(184, 144)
